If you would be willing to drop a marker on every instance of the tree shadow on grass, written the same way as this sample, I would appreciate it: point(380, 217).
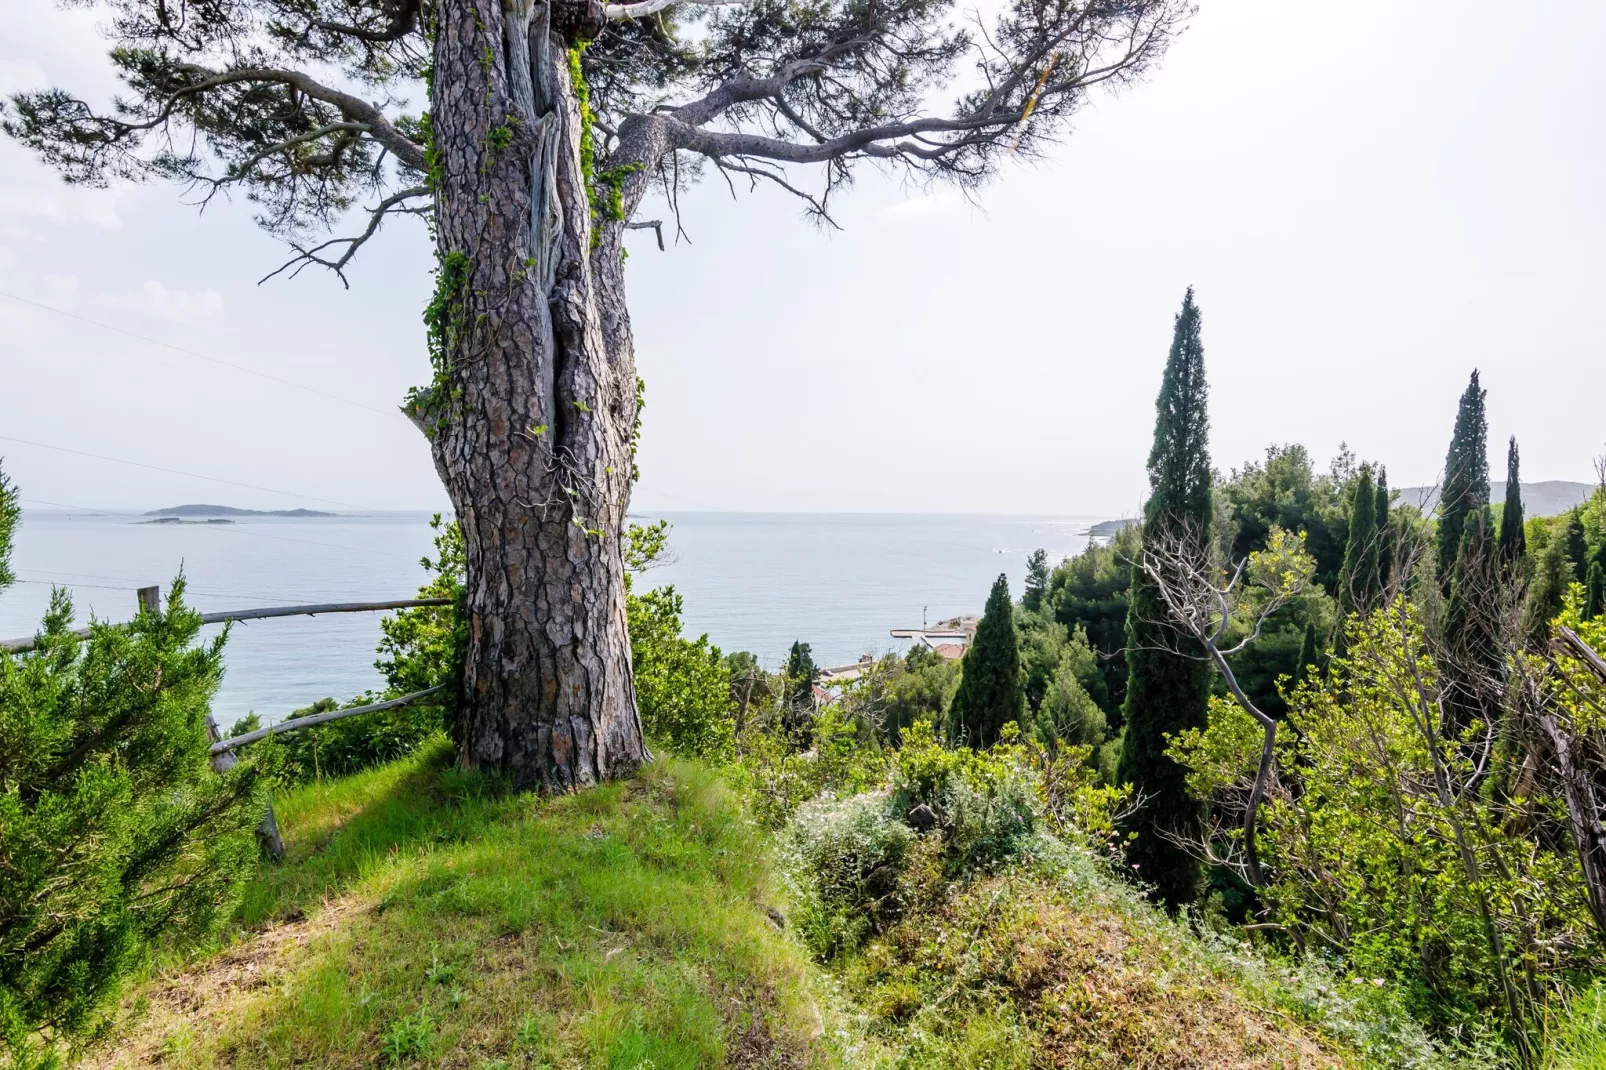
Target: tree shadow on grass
point(337, 831)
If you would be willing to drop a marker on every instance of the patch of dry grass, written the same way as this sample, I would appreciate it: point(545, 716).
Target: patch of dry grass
point(1018, 971)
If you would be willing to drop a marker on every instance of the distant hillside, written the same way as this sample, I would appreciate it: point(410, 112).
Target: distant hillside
point(1549, 498)
point(229, 510)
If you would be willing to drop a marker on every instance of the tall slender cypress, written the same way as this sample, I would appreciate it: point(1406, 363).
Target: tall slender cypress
point(1466, 477)
point(1513, 540)
point(1474, 665)
point(1168, 691)
point(990, 694)
point(1385, 532)
point(1595, 591)
point(1574, 547)
point(1357, 579)
point(801, 676)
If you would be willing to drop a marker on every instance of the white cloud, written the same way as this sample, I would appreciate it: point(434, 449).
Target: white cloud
point(158, 301)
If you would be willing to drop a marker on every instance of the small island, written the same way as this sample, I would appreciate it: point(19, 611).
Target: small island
point(173, 512)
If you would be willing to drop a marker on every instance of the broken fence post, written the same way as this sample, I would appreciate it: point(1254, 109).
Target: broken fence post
point(268, 837)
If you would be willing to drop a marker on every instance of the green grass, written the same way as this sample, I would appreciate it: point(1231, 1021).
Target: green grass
point(423, 918)
point(426, 918)
point(1577, 1039)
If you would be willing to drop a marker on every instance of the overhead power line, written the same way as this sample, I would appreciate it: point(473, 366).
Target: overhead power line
point(177, 472)
point(202, 356)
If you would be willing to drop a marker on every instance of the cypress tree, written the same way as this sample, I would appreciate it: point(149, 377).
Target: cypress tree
point(1036, 580)
point(1595, 591)
point(1466, 477)
point(1573, 545)
point(1357, 579)
point(990, 694)
point(1471, 626)
point(1546, 592)
point(801, 675)
point(1385, 534)
point(1168, 692)
point(1513, 540)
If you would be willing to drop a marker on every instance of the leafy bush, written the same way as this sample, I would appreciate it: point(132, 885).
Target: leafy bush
point(1068, 712)
point(922, 691)
point(985, 802)
point(1382, 841)
point(846, 858)
point(114, 831)
point(683, 686)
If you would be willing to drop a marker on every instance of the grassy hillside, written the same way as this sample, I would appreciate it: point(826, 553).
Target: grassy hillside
point(423, 919)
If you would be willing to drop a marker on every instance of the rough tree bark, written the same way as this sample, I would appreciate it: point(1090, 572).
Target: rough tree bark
point(532, 411)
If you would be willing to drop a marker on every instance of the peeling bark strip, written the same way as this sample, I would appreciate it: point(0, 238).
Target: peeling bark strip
point(533, 443)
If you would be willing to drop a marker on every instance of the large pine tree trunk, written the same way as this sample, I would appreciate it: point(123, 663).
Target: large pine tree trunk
point(531, 412)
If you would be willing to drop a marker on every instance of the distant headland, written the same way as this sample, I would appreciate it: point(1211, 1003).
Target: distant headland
point(229, 510)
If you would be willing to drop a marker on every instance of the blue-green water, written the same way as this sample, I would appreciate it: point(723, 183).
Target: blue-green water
point(754, 582)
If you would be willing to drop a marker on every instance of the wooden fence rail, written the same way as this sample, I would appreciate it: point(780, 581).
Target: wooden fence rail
point(296, 723)
point(19, 645)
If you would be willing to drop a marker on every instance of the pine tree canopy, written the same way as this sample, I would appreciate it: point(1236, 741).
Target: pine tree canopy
point(990, 694)
point(1168, 691)
point(1036, 580)
point(1466, 476)
point(1547, 593)
point(1513, 540)
point(1357, 580)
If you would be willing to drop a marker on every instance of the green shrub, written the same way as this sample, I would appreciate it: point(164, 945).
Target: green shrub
point(846, 860)
point(114, 831)
point(341, 748)
point(683, 686)
point(984, 802)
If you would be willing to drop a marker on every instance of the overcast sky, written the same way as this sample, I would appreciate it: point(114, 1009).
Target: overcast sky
point(1370, 199)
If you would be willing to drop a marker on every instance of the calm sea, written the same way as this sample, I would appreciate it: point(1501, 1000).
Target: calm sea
point(751, 581)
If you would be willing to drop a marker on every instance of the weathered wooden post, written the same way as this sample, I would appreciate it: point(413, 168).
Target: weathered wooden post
point(268, 831)
point(150, 599)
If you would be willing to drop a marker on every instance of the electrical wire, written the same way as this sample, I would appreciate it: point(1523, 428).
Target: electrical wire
point(202, 356)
